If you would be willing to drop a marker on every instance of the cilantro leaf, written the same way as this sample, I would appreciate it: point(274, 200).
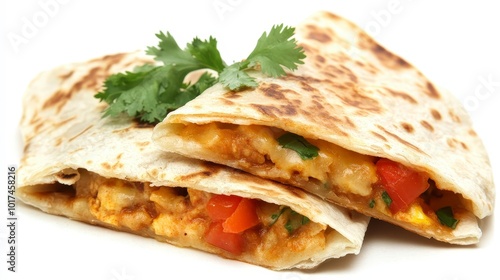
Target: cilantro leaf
point(150, 92)
point(299, 144)
point(270, 55)
point(234, 77)
point(276, 50)
point(170, 54)
point(207, 54)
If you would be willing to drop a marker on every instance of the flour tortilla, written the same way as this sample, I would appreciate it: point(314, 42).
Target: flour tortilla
point(355, 94)
point(68, 143)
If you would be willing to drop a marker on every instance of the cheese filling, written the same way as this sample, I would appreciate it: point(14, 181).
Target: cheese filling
point(179, 216)
point(345, 177)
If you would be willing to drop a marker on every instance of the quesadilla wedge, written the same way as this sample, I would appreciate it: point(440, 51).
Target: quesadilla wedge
point(107, 172)
point(356, 125)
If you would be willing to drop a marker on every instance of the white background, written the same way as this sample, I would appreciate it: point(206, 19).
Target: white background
point(455, 43)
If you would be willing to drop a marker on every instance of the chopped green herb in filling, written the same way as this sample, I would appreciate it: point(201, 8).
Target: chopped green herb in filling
point(445, 216)
point(299, 144)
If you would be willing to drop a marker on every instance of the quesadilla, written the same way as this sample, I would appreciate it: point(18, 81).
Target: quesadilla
point(356, 125)
point(107, 172)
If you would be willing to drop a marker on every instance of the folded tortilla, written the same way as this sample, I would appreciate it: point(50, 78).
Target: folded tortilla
point(358, 103)
point(107, 172)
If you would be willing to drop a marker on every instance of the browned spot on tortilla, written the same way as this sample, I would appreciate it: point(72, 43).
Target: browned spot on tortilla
point(210, 169)
point(272, 111)
point(387, 58)
point(402, 95)
point(91, 81)
point(26, 147)
point(427, 125)
point(431, 91)
point(75, 151)
point(110, 60)
point(454, 116)
point(472, 132)
point(154, 172)
point(106, 165)
point(341, 72)
point(81, 132)
point(59, 97)
point(119, 156)
point(58, 141)
point(61, 123)
point(38, 127)
point(142, 144)
point(349, 122)
point(89, 161)
point(273, 91)
point(401, 140)
point(379, 136)
point(435, 114)
point(227, 102)
point(319, 36)
point(454, 143)
point(305, 79)
point(319, 58)
point(408, 127)
point(67, 75)
point(349, 73)
point(355, 99)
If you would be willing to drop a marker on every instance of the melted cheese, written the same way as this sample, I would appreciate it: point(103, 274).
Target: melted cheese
point(337, 174)
point(254, 147)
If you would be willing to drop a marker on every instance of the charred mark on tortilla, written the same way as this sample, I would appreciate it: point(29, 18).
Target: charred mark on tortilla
point(454, 117)
point(427, 125)
point(273, 111)
point(67, 75)
point(402, 95)
point(435, 114)
point(210, 169)
point(319, 58)
point(401, 140)
point(431, 91)
point(378, 135)
point(80, 133)
point(355, 99)
point(387, 58)
point(272, 90)
point(319, 34)
point(407, 127)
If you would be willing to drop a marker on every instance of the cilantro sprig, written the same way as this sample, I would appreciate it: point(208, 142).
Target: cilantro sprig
point(150, 92)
